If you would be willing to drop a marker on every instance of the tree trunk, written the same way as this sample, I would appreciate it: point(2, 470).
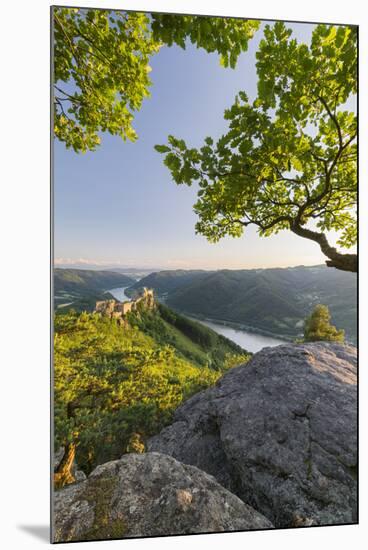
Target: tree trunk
point(344, 262)
point(63, 473)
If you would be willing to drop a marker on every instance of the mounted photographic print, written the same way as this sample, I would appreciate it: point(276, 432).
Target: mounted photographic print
point(204, 375)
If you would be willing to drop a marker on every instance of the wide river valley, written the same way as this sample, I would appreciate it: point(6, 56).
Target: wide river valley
point(250, 341)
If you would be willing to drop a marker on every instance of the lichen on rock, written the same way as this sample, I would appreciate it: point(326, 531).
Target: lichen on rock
point(148, 495)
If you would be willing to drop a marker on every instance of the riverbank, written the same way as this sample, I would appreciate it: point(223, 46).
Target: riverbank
point(239, 326)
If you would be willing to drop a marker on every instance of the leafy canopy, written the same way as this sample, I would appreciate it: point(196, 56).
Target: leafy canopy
point(101, 65)
point(317, 327)
point(289, 157)
point(101, 73)
point(226, 36)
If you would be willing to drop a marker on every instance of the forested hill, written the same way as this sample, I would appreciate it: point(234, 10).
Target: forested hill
point(78, 279)
point(192, 340)
point(164, 282)
point(82, 287)
point(275, 300)
point(128, 379)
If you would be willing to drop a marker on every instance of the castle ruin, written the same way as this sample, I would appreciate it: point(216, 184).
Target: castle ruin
point(118, 310)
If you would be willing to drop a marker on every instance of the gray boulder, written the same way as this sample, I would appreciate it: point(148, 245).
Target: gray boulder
point(280, 432)
point(79, 475)
point(147, 495)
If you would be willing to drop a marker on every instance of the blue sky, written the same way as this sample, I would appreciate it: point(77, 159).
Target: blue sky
point(118, 205)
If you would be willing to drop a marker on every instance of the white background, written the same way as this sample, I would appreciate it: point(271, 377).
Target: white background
point(24, 304)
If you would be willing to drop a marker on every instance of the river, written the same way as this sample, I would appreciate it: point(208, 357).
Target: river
point(250, 341)
point(119, 293)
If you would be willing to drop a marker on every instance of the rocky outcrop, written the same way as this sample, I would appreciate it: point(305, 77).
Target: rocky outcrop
point(146, 495)
point(118, 310)
point(280, 432)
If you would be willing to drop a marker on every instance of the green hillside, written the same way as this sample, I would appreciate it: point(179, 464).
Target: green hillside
point(114, 381)
point(274, 300)
point(192, 341)
point(82, 287)
point(164, 282)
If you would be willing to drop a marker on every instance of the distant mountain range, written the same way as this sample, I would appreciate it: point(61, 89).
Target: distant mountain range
point(135, 272)
point(272, 300)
